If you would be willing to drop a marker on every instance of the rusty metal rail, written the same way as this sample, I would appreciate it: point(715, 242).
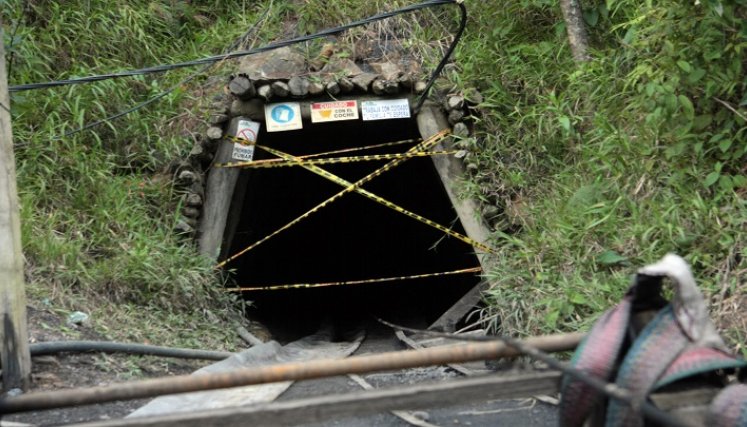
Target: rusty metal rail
point(283, 372)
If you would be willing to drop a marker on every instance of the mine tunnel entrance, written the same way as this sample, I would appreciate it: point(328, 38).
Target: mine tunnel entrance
point(352, 239)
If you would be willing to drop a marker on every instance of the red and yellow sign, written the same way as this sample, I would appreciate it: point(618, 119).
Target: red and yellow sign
point(334, 111)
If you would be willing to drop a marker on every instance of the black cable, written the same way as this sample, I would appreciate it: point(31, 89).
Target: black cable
point(442, 64)
point(608, 389)
point(54, 347)
point(213, 59)
point(186, 80)
point(143, 104)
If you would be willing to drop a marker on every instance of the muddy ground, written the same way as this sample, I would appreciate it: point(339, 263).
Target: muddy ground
point(85, 370)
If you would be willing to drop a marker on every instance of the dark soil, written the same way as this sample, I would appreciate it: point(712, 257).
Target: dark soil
point(74, 370)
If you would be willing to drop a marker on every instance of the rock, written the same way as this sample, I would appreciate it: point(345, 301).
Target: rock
point(216, 119)
point(419, 86)
point(187, 177)
point(473, 96)
point(277, 64)
point(320, 61)
point(387, 70)
point(455, 116)
point(190, 212)
point(241, 87)
point(214, 132)
point(346, 85)
point(454, 103)
point(254, 109)
point(219, 107)
point(193, 200)
point(298, 86)
point(422, 415)
point(265, 92)
point(280, 89)
point(341, 67)
point(182, 227)
point(377, 87)
point(406, 81)
point(77, 318)
point(363, 81)
point(316, 88)
point(460, 130)
point(333, 88)
point(391, 87)
point(192, 222)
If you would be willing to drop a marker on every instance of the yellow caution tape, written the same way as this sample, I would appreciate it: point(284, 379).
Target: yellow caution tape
point(351, 282)
point(309, 156)
point(336, 179)
point(423, 146)
point(334, 160)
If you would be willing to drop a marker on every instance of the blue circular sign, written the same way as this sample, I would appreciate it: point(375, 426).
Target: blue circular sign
point(282, 114)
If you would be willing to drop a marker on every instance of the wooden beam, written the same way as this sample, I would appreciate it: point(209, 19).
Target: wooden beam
point(450, 169)
point(282, 372)
point(356, 404)
point(15, 356)
point(221, 183)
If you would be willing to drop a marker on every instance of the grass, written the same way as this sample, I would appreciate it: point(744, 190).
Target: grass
point(584, 171)
point(596, 169)
point(98, 207)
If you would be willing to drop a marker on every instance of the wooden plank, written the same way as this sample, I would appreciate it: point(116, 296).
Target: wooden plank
point(336, 407)
point(221, 183)
point(15, 356)
point(282, 372)
point(450, 169)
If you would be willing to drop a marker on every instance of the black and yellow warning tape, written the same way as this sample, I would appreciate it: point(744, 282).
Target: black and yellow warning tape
point(330, 161)
point(378, 199)
point(351, 282)
point(326, 153)
point(423, 146)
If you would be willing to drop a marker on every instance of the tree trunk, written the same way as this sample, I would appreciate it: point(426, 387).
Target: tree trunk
point(574, 23)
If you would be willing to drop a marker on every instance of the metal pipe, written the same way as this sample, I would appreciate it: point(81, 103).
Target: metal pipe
point(390, 361)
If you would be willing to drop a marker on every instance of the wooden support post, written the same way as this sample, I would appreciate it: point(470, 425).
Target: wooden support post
point(430, 121)
point(15, 356)
point(221, 183)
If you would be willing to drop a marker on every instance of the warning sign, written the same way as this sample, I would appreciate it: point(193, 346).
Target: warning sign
point(334, 111)
point(385, 109)
point(246, 130)
point(283, 116)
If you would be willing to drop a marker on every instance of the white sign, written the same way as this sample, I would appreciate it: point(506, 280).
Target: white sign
point(385, 109)
point(246, 130)
point(283, 116)
point(334, 111)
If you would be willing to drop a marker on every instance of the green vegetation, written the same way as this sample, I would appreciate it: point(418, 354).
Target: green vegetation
point(585, 170)
point(98, 206)
point(598, 168)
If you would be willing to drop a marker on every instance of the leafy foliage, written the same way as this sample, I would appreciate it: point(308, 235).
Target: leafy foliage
point(597, 167)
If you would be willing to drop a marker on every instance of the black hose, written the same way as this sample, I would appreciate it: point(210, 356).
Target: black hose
point(54, 347)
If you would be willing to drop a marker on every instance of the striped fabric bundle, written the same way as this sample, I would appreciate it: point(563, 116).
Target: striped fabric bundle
point(641, 355)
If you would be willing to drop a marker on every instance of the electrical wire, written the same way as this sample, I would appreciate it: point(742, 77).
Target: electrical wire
point(442, 63)
point(423, 96)
point(54, 347)
point(212, 59)
point(183, 82)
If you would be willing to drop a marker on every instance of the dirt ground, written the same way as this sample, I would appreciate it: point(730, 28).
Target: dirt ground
point(73, 370)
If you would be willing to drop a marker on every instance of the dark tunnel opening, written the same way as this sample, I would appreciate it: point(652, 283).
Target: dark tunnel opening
point(353, 238)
